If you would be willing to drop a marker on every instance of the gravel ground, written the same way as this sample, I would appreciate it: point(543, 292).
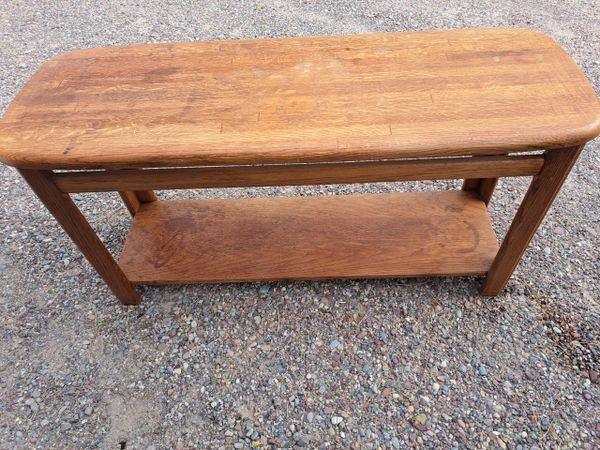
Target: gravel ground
point(353, 364)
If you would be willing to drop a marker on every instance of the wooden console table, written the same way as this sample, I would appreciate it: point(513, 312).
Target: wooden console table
point(464, 104)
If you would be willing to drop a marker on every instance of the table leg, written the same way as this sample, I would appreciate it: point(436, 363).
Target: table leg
point(133, 199)
point(73, 222)
point(540, 195)
point(483, 186)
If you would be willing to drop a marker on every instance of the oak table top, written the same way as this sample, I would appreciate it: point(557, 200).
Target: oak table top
point(296, 100)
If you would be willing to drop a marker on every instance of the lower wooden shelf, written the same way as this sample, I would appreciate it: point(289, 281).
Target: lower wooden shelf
point(327, 237)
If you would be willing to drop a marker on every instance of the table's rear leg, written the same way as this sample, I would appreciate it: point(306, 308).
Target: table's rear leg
point(133, 199)
point(70, 218)
point(542, 191)
point(484, 187)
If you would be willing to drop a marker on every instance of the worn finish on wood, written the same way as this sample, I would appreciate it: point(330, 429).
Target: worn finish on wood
point(537, 201)
point(329, 98)
point(484, 187)
point(70, 218)
point(299, 174)
point(362, 236)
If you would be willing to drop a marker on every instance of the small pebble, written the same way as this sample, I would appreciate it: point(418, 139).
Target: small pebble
point(336, 344)
point(264, 289)
point(421, 419)
point(33, 406)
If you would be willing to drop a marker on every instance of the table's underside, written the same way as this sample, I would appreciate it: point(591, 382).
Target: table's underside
point(358, 236)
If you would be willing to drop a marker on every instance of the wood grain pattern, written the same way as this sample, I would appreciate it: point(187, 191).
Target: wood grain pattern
point(540, 195)
point(70, 218)
point(299, 174)
point(313, 99)
point(362, 236)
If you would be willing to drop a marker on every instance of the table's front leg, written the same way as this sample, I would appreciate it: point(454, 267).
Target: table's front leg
point(542, 191)
point(70, 218)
